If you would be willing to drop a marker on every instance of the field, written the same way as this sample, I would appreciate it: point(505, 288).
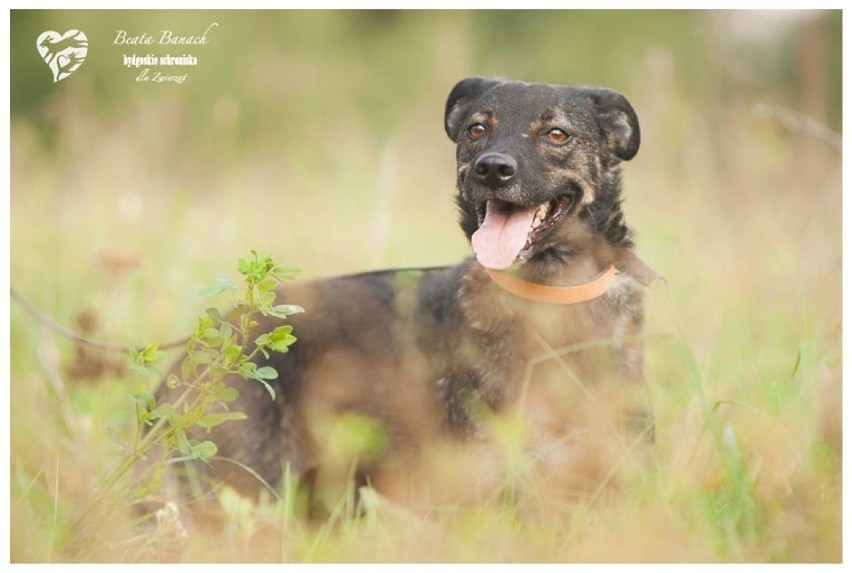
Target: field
point(318, 137)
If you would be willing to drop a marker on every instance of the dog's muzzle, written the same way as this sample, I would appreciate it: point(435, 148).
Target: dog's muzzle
point(494, 169)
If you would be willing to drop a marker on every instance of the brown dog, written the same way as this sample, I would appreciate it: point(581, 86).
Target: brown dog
point(431, 382)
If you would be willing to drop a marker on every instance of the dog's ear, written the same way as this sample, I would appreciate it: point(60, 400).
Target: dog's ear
point(461, 97)
point(618, 120)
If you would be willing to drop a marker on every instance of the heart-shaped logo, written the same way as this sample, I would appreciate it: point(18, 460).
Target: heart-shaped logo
point(63, 53)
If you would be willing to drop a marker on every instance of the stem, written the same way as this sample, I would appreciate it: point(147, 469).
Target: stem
point(143, 445)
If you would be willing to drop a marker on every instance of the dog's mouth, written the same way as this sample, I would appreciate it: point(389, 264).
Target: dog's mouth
point(507, 232)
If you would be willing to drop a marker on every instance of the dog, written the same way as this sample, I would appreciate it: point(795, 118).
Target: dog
point(410, 380)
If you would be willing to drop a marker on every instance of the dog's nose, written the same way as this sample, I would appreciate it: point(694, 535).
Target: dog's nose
point(495, 169)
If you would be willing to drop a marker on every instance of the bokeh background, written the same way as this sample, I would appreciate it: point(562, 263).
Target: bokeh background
point(317, 136)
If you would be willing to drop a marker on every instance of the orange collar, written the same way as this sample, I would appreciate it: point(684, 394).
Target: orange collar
point(554, 294)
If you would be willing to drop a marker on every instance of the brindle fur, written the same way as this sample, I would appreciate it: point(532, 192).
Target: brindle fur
point(439, 356)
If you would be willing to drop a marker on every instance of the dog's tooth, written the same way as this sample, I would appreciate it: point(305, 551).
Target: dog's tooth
point(542, 211)
point(536, 222)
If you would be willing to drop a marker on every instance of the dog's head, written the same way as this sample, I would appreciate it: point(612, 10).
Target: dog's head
point(538, 167)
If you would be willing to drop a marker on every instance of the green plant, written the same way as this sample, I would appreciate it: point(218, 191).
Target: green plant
point(220, 346)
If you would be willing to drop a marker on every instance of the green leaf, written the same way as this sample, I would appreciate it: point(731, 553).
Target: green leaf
point(143, 397)
point(279, 332)
point(266, 300)
point(266, 373)
point(145, 400)
point(203, 356)
point(212, 336)
point(278, 340)
point(285, 273)
point(204, 322)
point(269, 388)
point(209, 421)
point(244, 267)
point(231, 352)
point(287, 309)
point(151, 353)
point(142, 361)
point(202, 450)
point(284, 344)
point(226, 394)
point(226, 282)
point(247, 370)
point(212, 291)
point(265, 286)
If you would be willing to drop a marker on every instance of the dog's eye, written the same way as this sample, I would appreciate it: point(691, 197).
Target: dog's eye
point(556, 136)
point(476, 131)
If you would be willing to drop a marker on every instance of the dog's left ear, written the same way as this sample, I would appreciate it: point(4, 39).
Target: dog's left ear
point(460, 99)
point(618, 120)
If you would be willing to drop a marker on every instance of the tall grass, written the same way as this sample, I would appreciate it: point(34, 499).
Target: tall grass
point(127, 218)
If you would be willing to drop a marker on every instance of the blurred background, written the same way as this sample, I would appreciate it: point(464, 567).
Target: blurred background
point(317, 136)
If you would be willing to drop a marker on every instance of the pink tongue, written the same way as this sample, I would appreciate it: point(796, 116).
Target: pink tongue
point(502, 234)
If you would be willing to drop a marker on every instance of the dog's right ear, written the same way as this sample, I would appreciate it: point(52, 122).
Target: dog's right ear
point(618, 120)
point(461, 97)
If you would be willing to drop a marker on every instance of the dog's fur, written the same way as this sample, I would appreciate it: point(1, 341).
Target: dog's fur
point(436, 362)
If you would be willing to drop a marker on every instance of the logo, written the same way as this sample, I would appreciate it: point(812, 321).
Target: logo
point(63, 53)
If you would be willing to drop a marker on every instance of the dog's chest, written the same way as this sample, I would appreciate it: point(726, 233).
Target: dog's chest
point(542, 329)
point(550, 354)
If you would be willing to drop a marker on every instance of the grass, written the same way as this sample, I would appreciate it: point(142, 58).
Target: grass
point(744, 338)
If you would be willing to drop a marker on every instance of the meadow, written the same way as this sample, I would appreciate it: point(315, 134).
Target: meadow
point(318, 137)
